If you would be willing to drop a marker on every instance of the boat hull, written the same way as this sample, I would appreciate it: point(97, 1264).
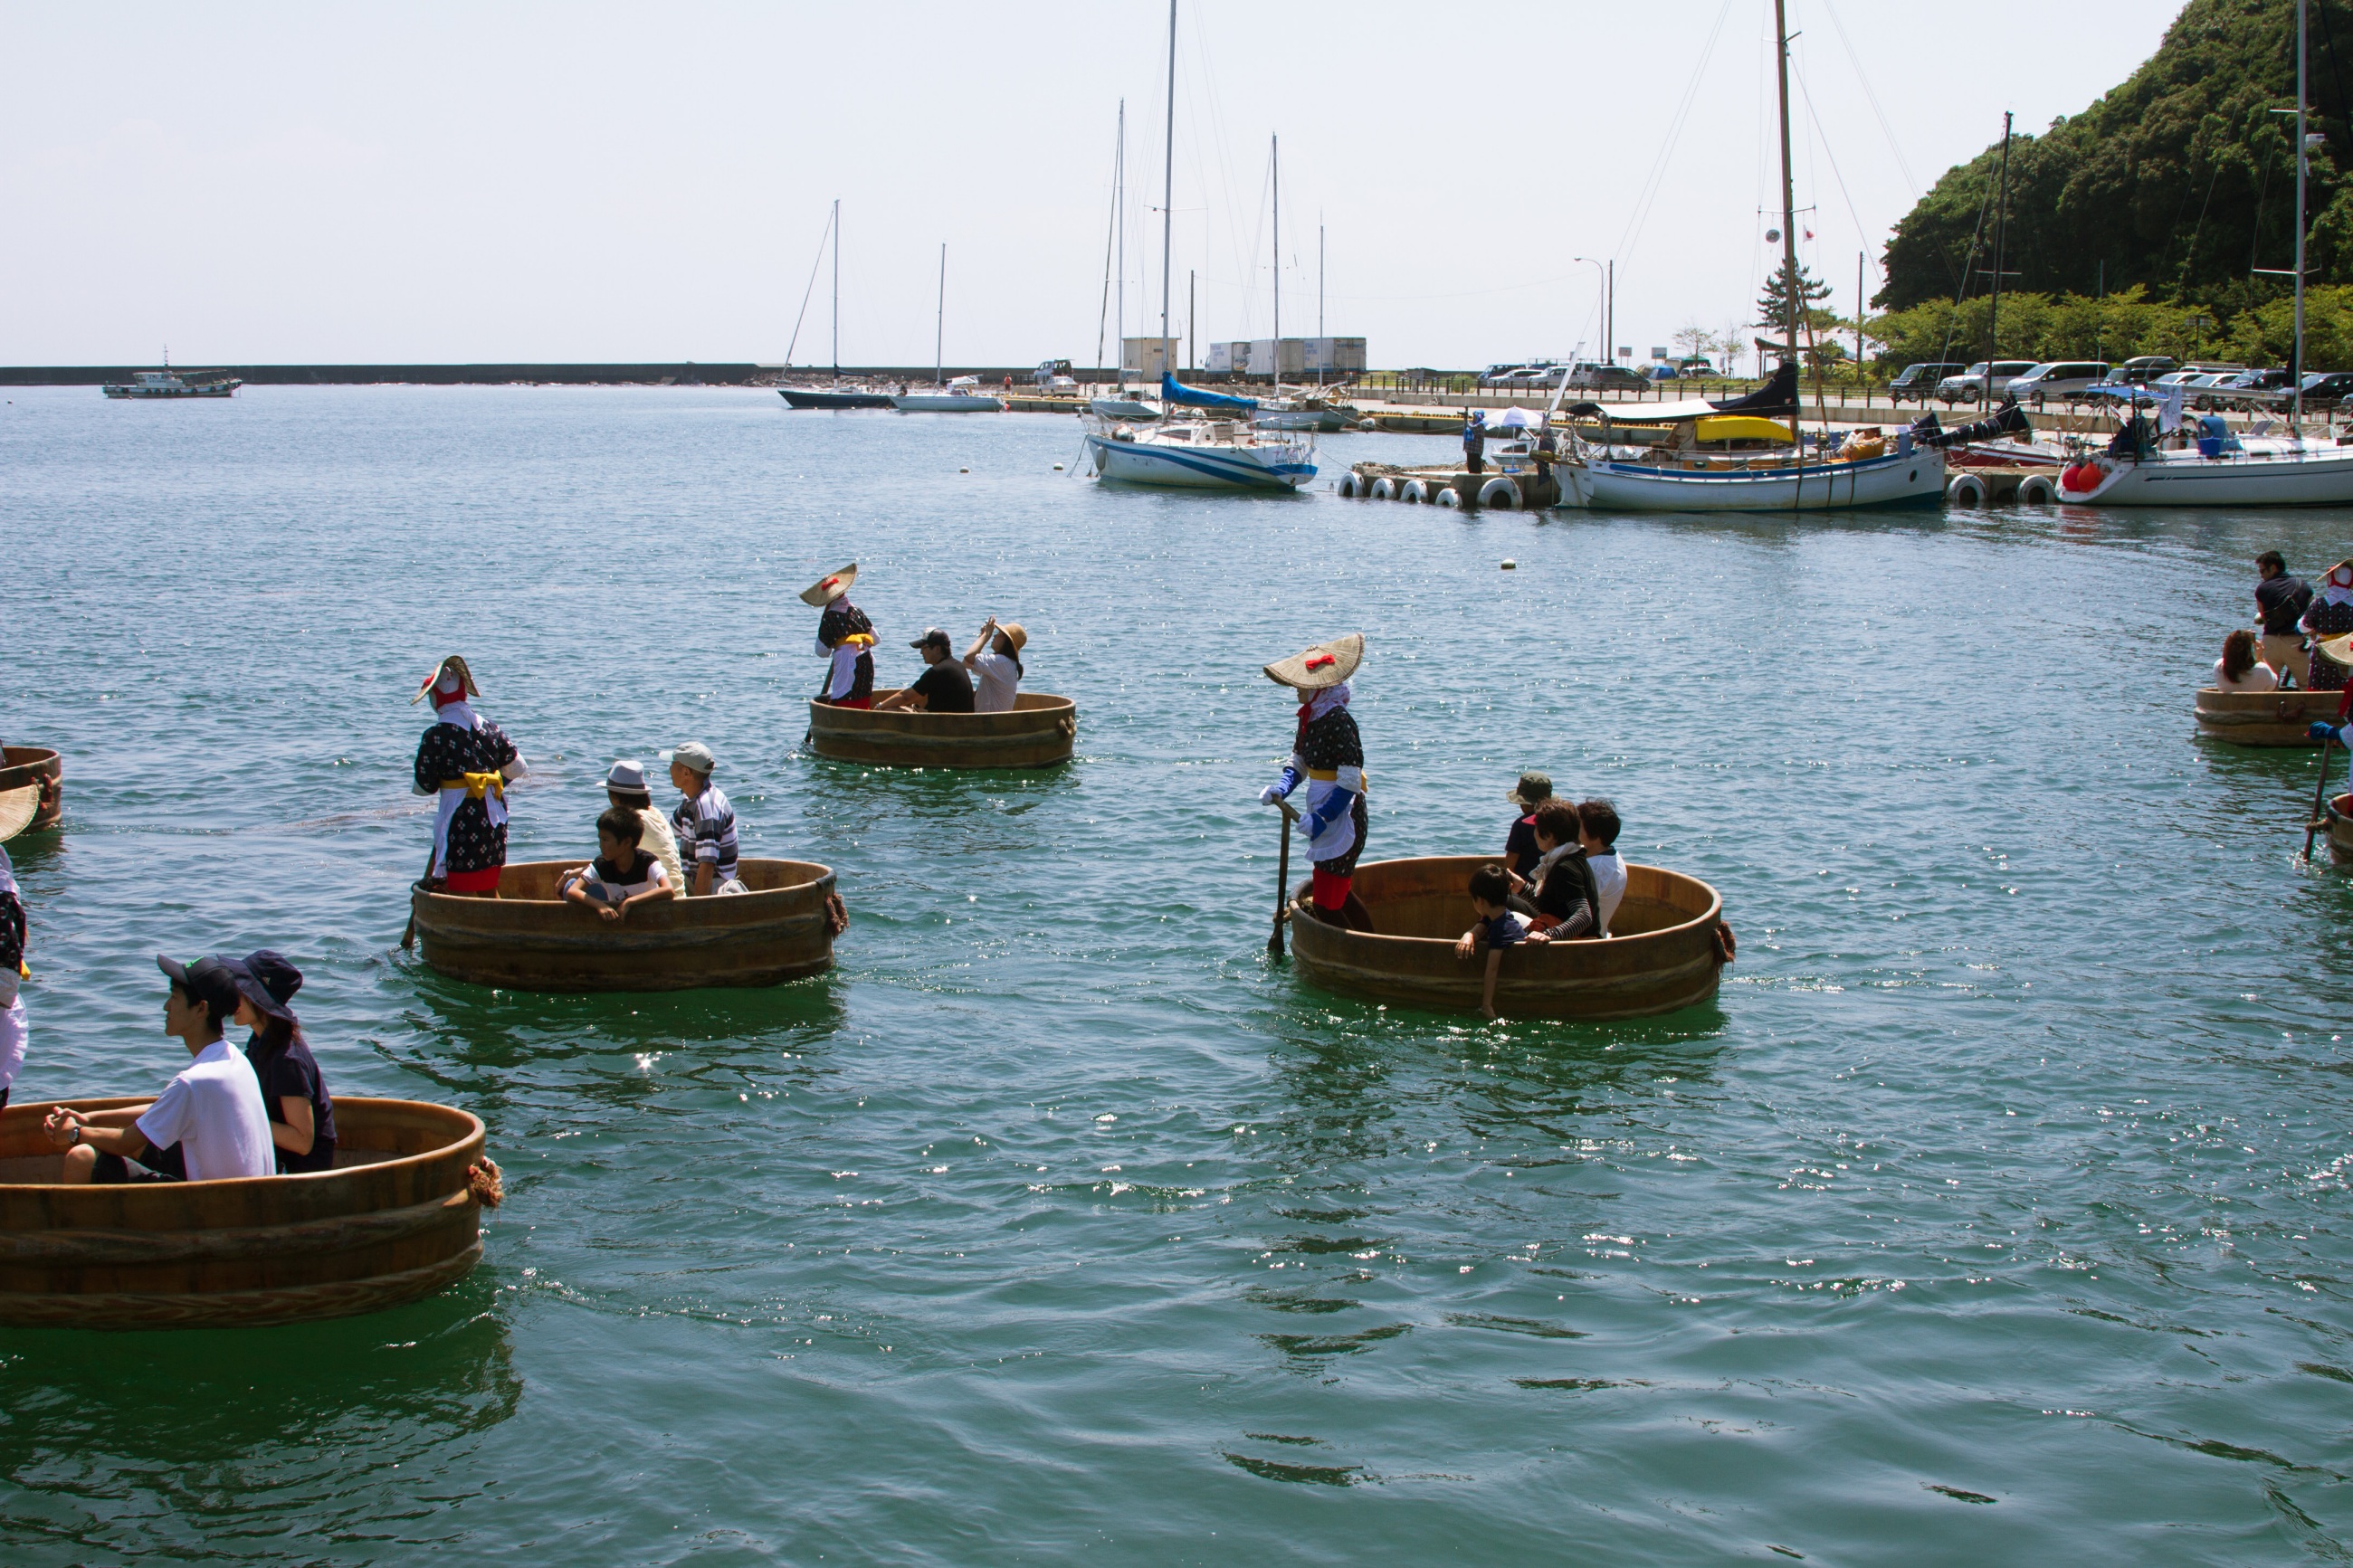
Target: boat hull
point(30, 765)
point(528, 938)
point(1662, 959)
point(1122, 408)
point(2265, 718)
point(1037, 733)
point(1323, 421)
point(947, 403)
point(2324, 476)
point(798, 397)
point(396, 1219)
point(1914, 479)
point(1198, 468)
point(2338, 823)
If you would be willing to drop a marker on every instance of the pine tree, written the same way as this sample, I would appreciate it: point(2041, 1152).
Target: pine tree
point(1773, 304)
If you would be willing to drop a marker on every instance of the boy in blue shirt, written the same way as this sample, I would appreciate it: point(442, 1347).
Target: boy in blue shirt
point(1498, 927)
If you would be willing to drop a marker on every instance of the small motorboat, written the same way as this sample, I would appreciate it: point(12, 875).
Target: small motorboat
point(2265, 718)
point(529, 939)
point(1663, 953)
point(1122, 407)
point(1037, 733)
point(832, 397)
point(23, 765)
point(399, 1218)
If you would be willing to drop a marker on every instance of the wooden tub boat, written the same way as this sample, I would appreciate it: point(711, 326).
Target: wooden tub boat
point(2337, 827)
point(31, 764)
point(399, 1218)
point(1035, 734)
point(529, 938)
point(1663, 953)
point(2264, 718)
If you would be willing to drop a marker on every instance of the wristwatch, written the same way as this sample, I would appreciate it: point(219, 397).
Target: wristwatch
point(77, 1132)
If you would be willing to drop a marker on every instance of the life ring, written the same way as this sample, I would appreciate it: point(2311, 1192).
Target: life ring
point(2037, 490)
point(1450, 496)
point(1967, 490)
point(1385, 489)
point(1347, 486)
point(1501, 493)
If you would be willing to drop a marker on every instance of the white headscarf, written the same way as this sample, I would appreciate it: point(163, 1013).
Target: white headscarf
point(1319, 703)
point(2337, 588)
point(449, 704)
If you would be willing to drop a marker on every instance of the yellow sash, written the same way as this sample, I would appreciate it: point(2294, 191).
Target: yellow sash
point(475, 785)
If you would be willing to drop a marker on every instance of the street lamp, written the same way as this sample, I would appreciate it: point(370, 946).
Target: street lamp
point(1606, 276)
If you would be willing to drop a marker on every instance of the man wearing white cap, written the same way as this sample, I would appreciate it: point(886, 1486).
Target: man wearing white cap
point(625, 786)
point(467, 761)
point(845, 637)
point(705, 821)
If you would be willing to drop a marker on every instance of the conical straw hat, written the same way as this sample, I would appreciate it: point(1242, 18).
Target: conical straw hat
point(826, 590)
point(1325, 663)
point(454, 665)
point(2336, 650)
point(18, 809)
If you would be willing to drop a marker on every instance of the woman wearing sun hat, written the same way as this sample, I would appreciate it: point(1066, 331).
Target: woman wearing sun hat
point(1328, 755)
point(845, 637)
point(2331, 616)
point(467, 761)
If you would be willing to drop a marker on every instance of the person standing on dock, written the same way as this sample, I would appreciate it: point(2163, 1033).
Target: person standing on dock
point(1474, 441)
point(1328, 755)
point(467, 761)
point(2279, 600)
point(845, 637)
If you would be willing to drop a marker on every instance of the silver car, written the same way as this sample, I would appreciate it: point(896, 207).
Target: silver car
point(2066, 379)
point(1971, 384)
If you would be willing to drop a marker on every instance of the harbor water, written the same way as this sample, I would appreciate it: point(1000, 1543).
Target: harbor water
point(1997, 1210)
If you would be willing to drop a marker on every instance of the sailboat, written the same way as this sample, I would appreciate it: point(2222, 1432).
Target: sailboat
point(1118, 404)
point(837, 395)
point(2223, 468)
point(961, 395)
point(1680, 472)
point(1217, 450)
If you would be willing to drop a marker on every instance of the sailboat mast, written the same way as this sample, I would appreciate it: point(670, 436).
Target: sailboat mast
point(1275, 144)
point(1788, 205)
point(1119, 224)
point(2000, 233)
point(940, 330)
point(837, 288)
point(1167, 189)
point(2295, 365)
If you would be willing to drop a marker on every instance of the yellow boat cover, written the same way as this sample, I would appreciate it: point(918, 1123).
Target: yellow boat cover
point(1739, 428)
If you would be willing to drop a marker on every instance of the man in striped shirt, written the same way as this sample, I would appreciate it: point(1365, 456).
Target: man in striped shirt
point(704, 822)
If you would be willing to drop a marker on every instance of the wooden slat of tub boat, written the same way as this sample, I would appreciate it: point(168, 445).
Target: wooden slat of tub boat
point(2264, 718)
point(395, 1220)
point(1659, 958)
point(529, 939)
point(1037, 733)
point(2337, 819)
point(24, 764)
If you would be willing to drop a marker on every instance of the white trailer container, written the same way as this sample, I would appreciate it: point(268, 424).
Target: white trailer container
point(1142, 359)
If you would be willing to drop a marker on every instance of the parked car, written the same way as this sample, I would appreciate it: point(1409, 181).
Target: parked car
point(1973, 383)
point(1533, 375)
point(2253, 389)
point(1697, 364)
point(2200, 390)
point(2324, 387)
point(1495, 373)
point(1605, 378)
point(2066, 379)
point(1918, 382)
point(1052, 373)
point(2147, 368)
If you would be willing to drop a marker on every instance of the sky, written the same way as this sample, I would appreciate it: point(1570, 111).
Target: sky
point(430, 183)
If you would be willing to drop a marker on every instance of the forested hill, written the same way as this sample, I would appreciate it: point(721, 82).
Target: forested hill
point(2179, 180)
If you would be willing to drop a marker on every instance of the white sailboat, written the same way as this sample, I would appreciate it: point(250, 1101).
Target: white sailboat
point(1669, 480)
point(1118, 404)
point(2223, 468)
point(961, 395)
point(1216, 449)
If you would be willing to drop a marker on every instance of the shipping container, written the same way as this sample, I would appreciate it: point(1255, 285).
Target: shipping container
point(1142, 359)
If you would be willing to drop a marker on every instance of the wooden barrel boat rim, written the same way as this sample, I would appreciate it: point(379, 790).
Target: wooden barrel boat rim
point(285, 1303)
point(1039, 703)
point(232, 1243)
point(469, 1137)
point(1712, 916)
point(758, 897)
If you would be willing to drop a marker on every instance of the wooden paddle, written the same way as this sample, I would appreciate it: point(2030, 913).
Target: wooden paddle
point(2320, 792)
point(409, 935)
point(1281, 880)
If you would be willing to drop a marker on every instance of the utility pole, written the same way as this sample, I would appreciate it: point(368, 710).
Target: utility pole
point(1788, 208)
point(1168, 187)
point(1192, 306)
point(1610, 318)
point(1993, 302)
point(837, 288)
point(1858, 319)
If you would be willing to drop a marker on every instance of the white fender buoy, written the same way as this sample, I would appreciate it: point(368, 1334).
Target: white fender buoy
point(1966, 489)
point(1414, 491)
point(1385, 489)
point(1450, 496)
point(1347, 486)
point(2037, 490)
point(1501, 493)
point(1510, 564)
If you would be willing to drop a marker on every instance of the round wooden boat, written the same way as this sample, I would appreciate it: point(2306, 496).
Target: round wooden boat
point(1037, 733)
point(1662, 955)
point(30, 765)
point(530, 940)
point(399, 1218)
point(2337, 823)
point(2264, 718)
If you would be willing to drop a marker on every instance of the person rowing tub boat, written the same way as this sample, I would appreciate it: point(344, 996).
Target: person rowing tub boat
point(467, 761)
point(845, 638)
point(1327, 755)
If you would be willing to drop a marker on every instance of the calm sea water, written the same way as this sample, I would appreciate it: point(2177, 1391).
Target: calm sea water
point(1996, 1211)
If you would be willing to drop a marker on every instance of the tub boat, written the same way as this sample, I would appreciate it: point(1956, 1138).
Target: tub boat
point(399, 1218)
point(1664, 952)
point(1037, 733)
point(2337, 823)
point(529, 938)
point(29, 766)
point(2264, 718)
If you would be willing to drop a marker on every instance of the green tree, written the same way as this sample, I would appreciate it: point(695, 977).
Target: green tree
point(1773, 304)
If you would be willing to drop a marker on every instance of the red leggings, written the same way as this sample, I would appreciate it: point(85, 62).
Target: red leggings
point(1331, 891)
point(482, 882)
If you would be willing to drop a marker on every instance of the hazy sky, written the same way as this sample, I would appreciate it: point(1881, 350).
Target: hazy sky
point(344, 182)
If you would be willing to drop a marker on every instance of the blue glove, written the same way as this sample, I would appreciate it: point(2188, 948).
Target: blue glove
point(1280, 788)
point(1336, 805)
point(2321, 732)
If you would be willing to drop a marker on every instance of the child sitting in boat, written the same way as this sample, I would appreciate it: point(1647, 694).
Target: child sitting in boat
point(1498, 928)
point(1566, 901)
point(623, 874)
point(1597, 828)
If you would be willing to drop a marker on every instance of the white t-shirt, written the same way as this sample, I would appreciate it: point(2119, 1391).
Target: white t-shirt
point(214, 1112)
point(13, 1033)
point(1610, 882)
point(999, 682)
point(2260, 677)
point(661, 844)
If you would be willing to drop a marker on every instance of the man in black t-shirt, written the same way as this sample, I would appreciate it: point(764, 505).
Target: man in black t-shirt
point(943, 688)
point(2280, 601)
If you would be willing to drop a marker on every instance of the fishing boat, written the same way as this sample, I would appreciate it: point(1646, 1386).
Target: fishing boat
point(2337, 821)
point(168, 382)
point(2264, 718)
point(21, 766)
point(399, 1218)
point(529, 939)
point(1037, 733)
point(1664, 952)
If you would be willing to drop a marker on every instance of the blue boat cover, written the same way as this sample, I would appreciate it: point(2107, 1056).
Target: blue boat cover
point(1172, 391)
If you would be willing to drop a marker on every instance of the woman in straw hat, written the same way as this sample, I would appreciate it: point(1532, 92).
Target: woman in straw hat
point(2331, 616)
point(467, 761)
point(846, 637)
point(994, 660)
point(1328, 755)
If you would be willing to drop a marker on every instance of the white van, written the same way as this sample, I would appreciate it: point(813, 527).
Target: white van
point(2066, 379)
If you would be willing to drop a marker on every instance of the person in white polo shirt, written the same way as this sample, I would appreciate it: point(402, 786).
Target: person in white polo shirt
point(208, 1124)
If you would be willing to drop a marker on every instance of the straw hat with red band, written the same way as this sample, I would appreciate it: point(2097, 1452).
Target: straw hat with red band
point(1327, 664)
point(18, 809)
point(826, 590)
point(452, 668)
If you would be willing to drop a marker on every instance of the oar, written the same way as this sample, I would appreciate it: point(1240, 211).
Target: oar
point(2319, 790)
point(1281, 880)
point(409, 935)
